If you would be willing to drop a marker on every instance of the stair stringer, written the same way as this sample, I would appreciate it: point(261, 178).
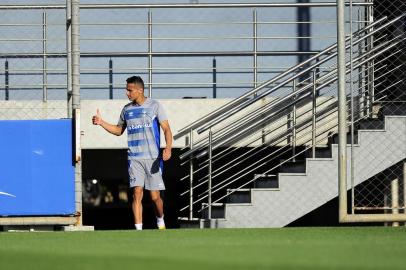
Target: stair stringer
point(299, 194)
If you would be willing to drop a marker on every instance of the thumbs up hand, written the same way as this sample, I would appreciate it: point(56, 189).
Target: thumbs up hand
point(97, 119)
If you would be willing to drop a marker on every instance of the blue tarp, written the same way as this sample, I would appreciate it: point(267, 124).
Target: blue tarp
point(36, 169)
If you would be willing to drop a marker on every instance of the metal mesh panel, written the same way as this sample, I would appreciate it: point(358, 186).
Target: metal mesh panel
point(383, 109)
point(32, 64)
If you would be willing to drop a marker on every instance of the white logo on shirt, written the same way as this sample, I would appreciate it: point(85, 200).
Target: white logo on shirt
point(143, 125)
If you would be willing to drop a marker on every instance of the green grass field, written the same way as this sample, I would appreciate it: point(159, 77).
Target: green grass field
point(288, 248)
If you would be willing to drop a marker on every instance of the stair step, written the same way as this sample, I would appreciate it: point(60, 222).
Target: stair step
point(239, 196)
point(185, 223)
point(217, 210)
point(334, 139)
point(371, 123)
point(321, 152)
point(394, 109)
point(266, 181)
point(298, 166)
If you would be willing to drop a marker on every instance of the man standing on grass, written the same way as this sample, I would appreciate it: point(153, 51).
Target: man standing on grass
point(142, 117)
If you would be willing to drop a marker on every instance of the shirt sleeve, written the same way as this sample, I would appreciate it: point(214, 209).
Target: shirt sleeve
point(121, 121)
point(161, 113)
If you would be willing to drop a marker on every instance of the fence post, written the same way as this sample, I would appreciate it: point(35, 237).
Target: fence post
point(6, 79)
point(255, 46)
point(342, 111)
point(149, 54)
point(395, 199)
point(76, 104)
point(69, 56)
point(294, 123)
point(314, 97)
point(191, 177)
point(214, 78)
point(111, 79)
point(210, 177)
point(44, 56)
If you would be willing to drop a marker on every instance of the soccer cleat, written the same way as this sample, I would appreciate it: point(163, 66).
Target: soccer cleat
point(161, 227)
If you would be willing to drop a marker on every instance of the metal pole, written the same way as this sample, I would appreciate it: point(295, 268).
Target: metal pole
point(214, 78)
point(294, 123)
point(191, 178)
point(371, 90)
point(361, 71)
point(150, 54)
point(186, 5)
point(44, 56)
point(69, 56)
point(75, 55)
point(76, 105)
point(404, 187)
point(6, 78)
point(255, 40)
point(210, 172)
point(314, 97)
point(352, 115)
point(111, 78)
point(395, 198)
point(342, 111)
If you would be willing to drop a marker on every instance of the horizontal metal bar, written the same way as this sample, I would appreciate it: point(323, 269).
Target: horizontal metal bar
point(373, 218)
point(176, 23)
point(211, 5)
point(191, 38)
point(158, 54)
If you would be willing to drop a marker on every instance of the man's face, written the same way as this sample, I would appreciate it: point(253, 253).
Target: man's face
point(133, 91)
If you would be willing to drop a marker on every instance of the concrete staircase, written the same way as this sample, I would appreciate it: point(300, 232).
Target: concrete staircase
point(298, 193)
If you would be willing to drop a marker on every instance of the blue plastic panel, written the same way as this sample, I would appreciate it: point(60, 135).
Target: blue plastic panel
point(36, 169)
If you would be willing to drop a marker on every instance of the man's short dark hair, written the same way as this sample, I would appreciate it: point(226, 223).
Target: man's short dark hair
point(136, 80)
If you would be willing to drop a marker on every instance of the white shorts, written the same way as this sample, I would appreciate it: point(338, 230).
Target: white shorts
point(146, 173)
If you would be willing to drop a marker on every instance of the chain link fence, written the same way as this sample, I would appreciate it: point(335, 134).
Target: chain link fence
point(378, 183)
point(33, 64)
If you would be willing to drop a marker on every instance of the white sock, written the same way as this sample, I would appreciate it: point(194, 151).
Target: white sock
point(138, 227)
point(160, 221)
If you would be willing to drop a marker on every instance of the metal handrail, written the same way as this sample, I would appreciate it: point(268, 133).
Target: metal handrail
point(306, 123)
point(327, 75)
point(366, 57)
point(292, 157)
point(197, 5)
point(206, 125)
point(225, 108)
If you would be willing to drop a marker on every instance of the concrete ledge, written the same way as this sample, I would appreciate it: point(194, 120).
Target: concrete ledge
point(38, 220)
point(73, 228)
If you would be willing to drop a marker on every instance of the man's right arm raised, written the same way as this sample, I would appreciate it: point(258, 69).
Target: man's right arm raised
point(113, 129)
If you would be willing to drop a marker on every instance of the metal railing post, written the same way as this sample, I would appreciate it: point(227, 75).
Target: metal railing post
point(210, 174)
point(294, 123)
point(214, 78)
point(255, 47)
point(395, 199)
point(404, 187)
point(111, 79)
point(44, 56)
point(6, 80)
point(314, 97)
point(191, 177)
point(352, 115)
point(149, 54)
point(69, 56)
point(342, 111)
